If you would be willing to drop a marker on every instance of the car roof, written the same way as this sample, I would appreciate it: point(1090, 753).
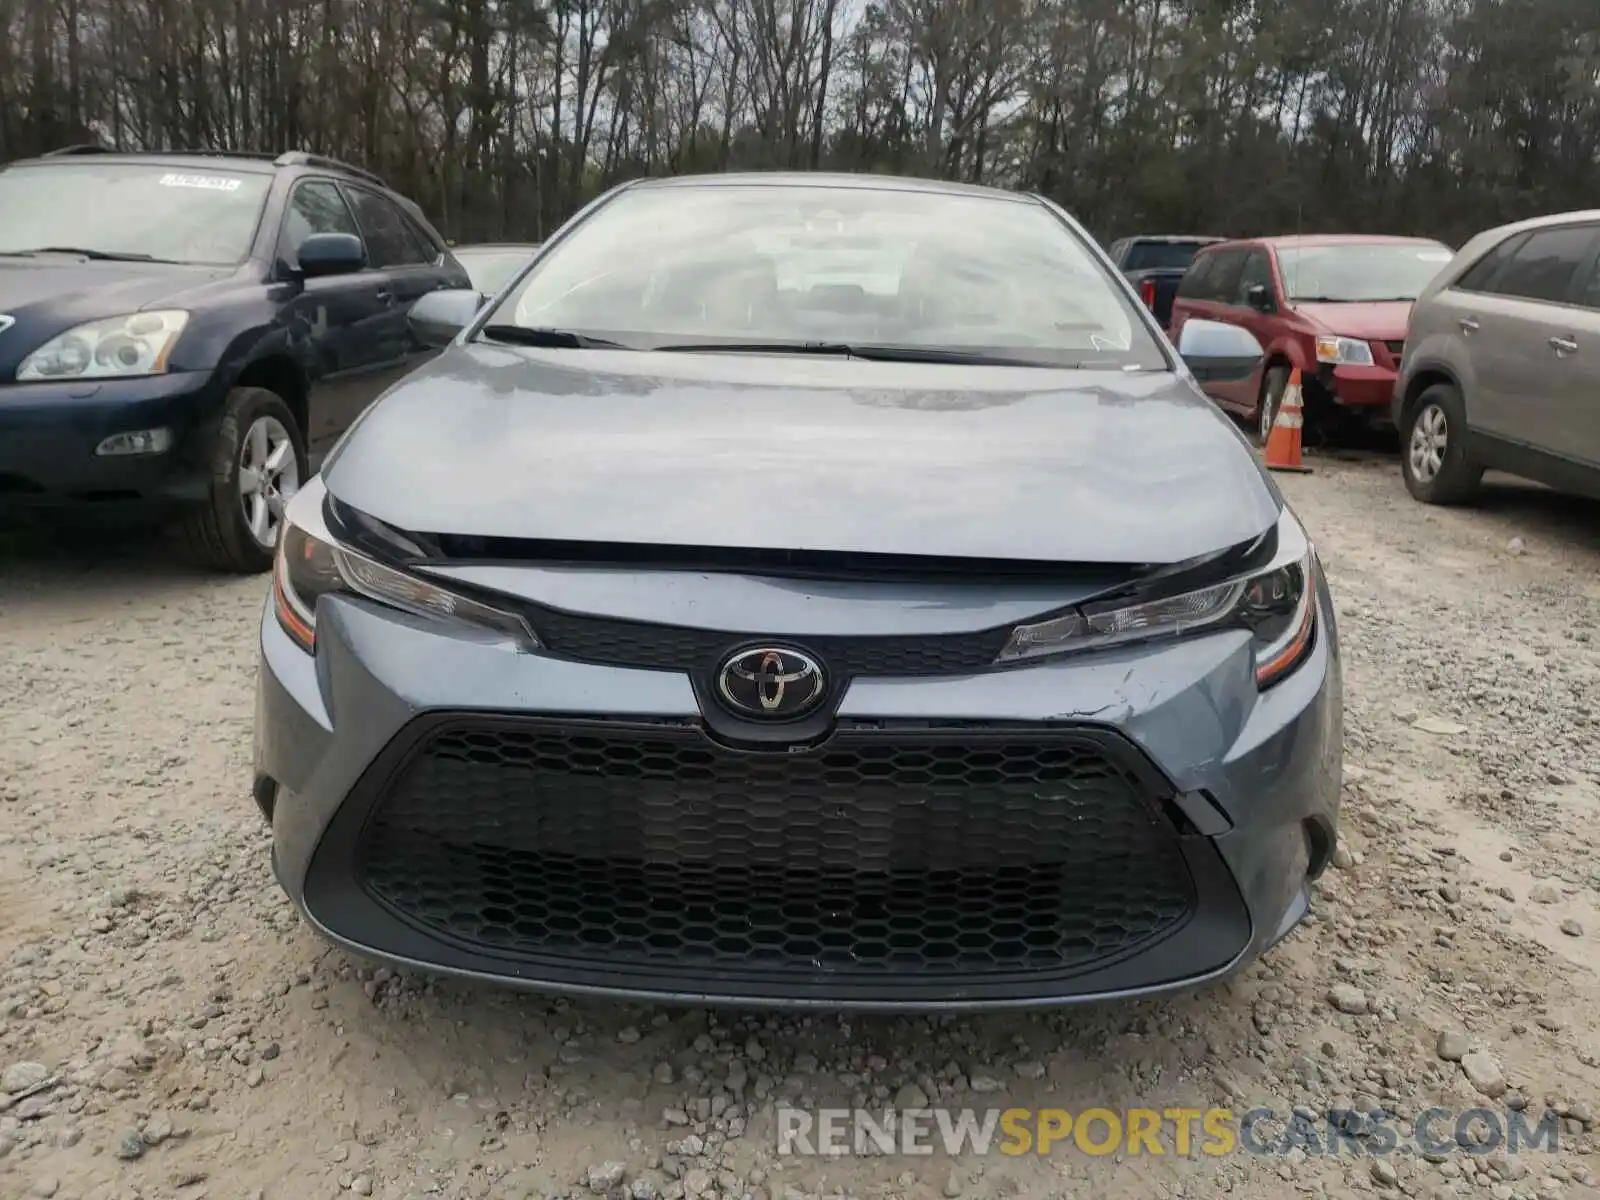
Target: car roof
point(241, 164)
point(1547, 221)
point(1298, 241)
point(1233, 244)
point(241, 161)
point(836, 179)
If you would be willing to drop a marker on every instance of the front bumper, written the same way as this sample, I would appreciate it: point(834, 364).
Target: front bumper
point(49, 433)
point(381, 760)
point(1366, 388)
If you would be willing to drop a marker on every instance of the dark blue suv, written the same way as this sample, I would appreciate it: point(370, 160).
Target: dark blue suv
point(185, 335)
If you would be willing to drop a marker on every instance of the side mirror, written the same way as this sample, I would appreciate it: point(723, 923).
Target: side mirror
point(1259, 297)
point(332, 254)
point(439, 316)
point(1219, 353)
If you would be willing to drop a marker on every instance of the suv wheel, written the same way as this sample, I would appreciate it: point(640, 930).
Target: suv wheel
point(257, 464)
point(1433, 456)
point(1273, 386)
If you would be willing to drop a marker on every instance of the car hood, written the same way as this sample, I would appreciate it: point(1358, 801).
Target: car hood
point(94, 289)
point(807, 454)
point(1371, 322)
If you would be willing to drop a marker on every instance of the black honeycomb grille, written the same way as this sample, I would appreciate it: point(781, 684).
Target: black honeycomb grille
point(941, 855)
point(677, 648)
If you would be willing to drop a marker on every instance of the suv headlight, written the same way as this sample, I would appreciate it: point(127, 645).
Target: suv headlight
point(310, 565)
point(1277, 604)
point(1344, 352)
point(116, 348)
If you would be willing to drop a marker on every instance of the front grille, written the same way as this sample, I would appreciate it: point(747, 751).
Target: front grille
point(935, 853)
point(676, 648)
point(1397, 349)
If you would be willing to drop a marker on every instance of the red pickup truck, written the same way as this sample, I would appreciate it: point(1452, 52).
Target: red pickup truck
point(1336, 306)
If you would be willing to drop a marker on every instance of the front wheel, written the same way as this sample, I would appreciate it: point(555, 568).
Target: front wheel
point(258, 462)
point(1433, 458)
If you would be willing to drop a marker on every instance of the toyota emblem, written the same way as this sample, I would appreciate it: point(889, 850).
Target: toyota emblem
point(771, 684)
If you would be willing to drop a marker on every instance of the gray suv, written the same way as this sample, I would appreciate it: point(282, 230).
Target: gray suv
point(1502, 363)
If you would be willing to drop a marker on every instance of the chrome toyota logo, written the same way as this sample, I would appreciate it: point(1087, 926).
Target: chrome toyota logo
point(6, 322)
point(771, 683)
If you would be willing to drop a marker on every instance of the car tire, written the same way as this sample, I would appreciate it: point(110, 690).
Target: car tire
point(258, 462)
point(1433, 448)
point(1273, 385)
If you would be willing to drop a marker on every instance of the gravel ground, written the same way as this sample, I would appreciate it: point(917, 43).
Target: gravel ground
point(169, 1029)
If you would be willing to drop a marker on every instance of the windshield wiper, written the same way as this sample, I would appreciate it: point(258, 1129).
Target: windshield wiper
point(566, 339)
point(933, 354)
point(95, 255)
point(1354, 300)
point(827, 349)
point(867, 351)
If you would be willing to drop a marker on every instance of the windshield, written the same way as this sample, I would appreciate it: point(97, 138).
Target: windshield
point(1161, 256)
point(797, 263)
point(1354, 272)
point(491, 270)
point(204, 214)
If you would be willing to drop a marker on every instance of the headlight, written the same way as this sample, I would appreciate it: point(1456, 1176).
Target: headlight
point(119, 347)
point(1344, 352)
point(311, 565)
point(1276, 604)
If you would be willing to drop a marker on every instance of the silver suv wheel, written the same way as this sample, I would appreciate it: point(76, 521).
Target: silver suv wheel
point(1430, 438)
point(269, 476)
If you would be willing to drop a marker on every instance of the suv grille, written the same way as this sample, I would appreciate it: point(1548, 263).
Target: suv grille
point(941, 853)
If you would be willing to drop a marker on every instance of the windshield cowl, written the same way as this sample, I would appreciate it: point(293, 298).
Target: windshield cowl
point(1299, 300)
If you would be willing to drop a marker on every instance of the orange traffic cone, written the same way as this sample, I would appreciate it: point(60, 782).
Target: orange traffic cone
point(1283, 443)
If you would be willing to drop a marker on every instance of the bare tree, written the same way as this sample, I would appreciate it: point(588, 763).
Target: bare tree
point(504, 116)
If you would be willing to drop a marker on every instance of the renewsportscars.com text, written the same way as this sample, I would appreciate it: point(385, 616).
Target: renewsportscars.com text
point(1178, 1132)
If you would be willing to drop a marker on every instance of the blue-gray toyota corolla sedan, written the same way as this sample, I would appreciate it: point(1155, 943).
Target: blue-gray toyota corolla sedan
point(808, 590)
